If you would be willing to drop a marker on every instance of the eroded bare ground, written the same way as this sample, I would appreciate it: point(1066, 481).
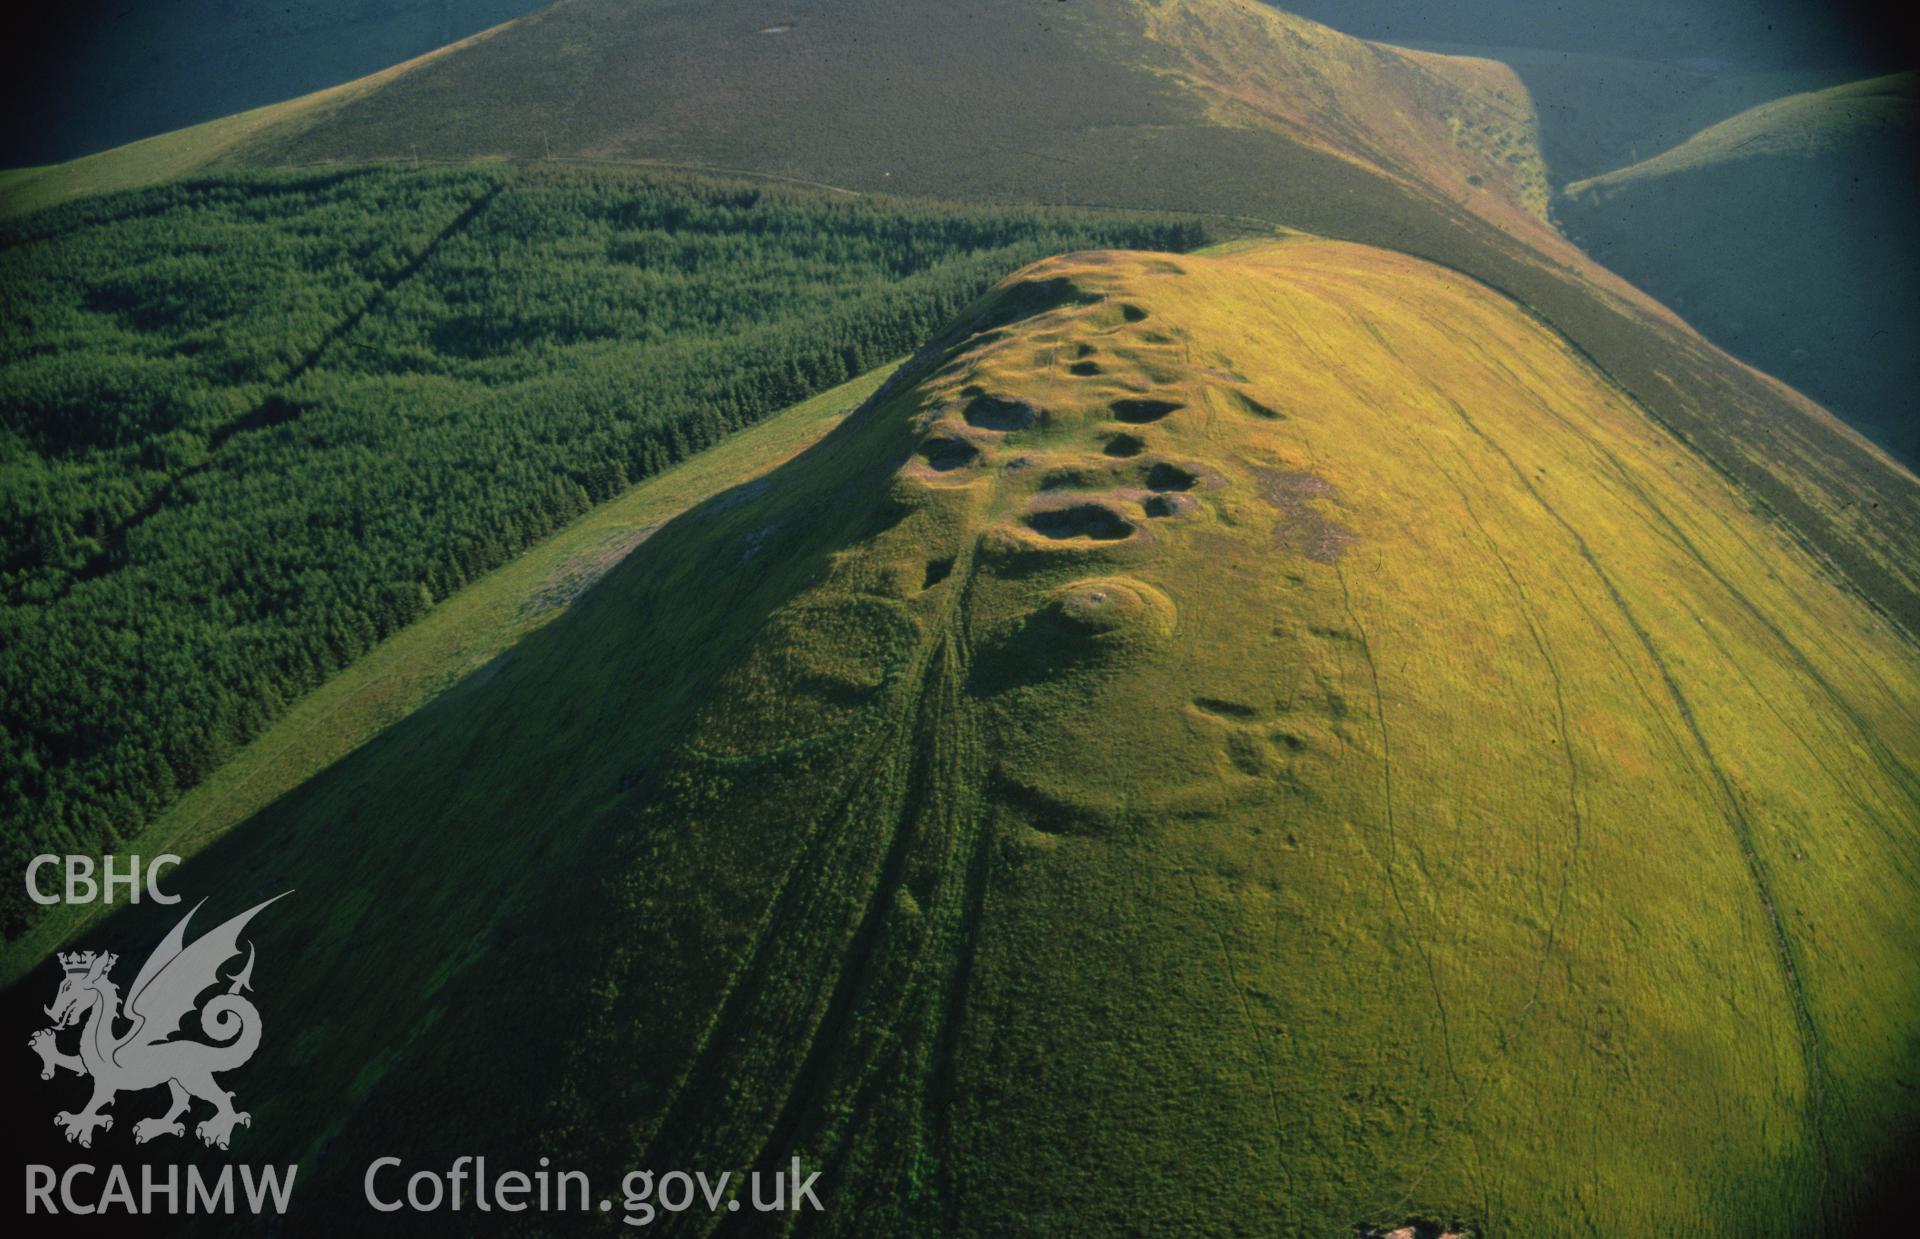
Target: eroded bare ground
point(1304, 528)
point(578, 574)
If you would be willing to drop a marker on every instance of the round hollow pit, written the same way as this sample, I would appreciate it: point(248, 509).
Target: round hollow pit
point(1139, 412)
point(1082, 520)
point(992, 413)
point(1031, 298)
point(1125, 445)
point(1084, 369)
point(944, 455)
point(1164, 477)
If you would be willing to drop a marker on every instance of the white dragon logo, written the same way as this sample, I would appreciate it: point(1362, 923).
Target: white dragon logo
point(164, 993)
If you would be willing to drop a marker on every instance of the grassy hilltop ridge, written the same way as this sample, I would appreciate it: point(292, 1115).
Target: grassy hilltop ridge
point(1036, 781)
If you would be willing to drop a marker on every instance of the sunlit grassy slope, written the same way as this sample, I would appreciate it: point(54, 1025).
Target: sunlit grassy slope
point(459, 639)
point(1271, 742)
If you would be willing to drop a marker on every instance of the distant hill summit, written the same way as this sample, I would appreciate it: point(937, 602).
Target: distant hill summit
point(1286, 704)
point(1787, 234)
point(1805, 126)
point(878, 96)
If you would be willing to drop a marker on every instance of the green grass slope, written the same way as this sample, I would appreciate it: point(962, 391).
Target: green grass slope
point(1225, 107)
point(1786, 234)
point(1287, 705)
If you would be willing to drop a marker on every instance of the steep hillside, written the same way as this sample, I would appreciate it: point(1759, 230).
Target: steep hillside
point(1597, 112)
point(1786, 233)
point(1287, 704)
point(1458, 126)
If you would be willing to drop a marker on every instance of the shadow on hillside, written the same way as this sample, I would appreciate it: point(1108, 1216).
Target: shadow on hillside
point(418, 985)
